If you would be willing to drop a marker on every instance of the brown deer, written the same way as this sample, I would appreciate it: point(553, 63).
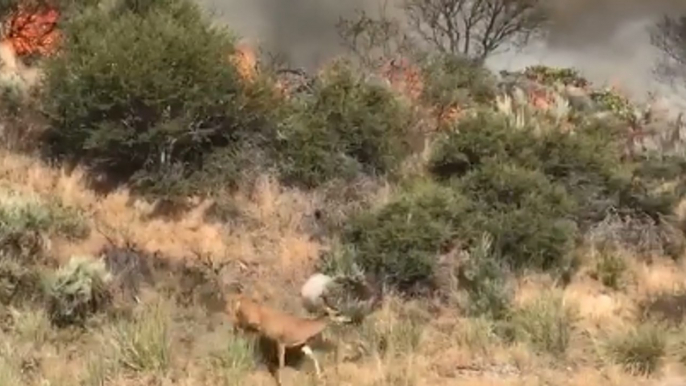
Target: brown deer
point(285, 330)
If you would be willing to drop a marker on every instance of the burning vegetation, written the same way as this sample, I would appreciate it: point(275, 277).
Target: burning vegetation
point(32, 30)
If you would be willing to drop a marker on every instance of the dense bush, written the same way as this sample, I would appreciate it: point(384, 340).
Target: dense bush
point(150, 96)
point(401, 241)
point(528, 215)
point(535, 191)
point(345, 127)
point(485, 279)
point(484, 136)
point(451, 80)
point(154, 100)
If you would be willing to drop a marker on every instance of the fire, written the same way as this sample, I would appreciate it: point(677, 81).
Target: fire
point(33, 31)
point(450, 114)
point(404, 77)
point(540, 99)
point(245, 61)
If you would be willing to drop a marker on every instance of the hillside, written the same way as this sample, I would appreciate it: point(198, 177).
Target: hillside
point(527, 227)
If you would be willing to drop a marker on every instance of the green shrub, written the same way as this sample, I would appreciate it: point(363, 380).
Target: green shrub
point(476, 139)
point(587, 162)
point(149, 97)
point(451, 80)
point(77, 291)
point(527, 215)
point(401, 242)
point(485, 280)
point(346, 127)
point(544, 184)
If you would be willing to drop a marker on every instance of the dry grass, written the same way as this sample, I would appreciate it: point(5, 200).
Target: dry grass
point(578, 335)
point(638, 349)
point(143, 344)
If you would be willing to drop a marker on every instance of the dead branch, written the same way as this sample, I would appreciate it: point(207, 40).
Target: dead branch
point(474, 28)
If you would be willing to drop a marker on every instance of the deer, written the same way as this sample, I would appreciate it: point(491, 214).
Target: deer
point(284, 329)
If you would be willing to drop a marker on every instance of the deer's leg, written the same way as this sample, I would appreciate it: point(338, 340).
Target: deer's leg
point(308, 352)
point(282, 362)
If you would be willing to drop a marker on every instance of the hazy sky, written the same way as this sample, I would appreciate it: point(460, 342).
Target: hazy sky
point(606, 39)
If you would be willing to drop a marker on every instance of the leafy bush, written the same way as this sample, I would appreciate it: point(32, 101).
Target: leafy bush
point(535, 191)
point(400, 242)
point(476, 139)
point(149, 97)
point(451, 80)
point(346, 127)
point(485, 280)
point(77, 291)
point(586, 163)
point(526, 213)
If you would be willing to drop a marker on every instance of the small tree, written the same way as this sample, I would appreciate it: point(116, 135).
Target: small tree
point(474, 28)
point(669, 36)
point(151, 99)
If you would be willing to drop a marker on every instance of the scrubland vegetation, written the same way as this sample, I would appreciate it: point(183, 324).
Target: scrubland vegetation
point(527, 227)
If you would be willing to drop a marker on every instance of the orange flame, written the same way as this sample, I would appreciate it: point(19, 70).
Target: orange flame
point(450, 114)
point(540, 99)
point(404, 77)
point(245, 60)
point(33, 31)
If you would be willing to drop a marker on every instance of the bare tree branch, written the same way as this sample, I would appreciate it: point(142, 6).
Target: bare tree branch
point(475, 28)
point(374, 39)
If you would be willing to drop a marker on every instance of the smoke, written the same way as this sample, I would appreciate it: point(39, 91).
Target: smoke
point(584, 23)
point(304, 31)
point(607, 40)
